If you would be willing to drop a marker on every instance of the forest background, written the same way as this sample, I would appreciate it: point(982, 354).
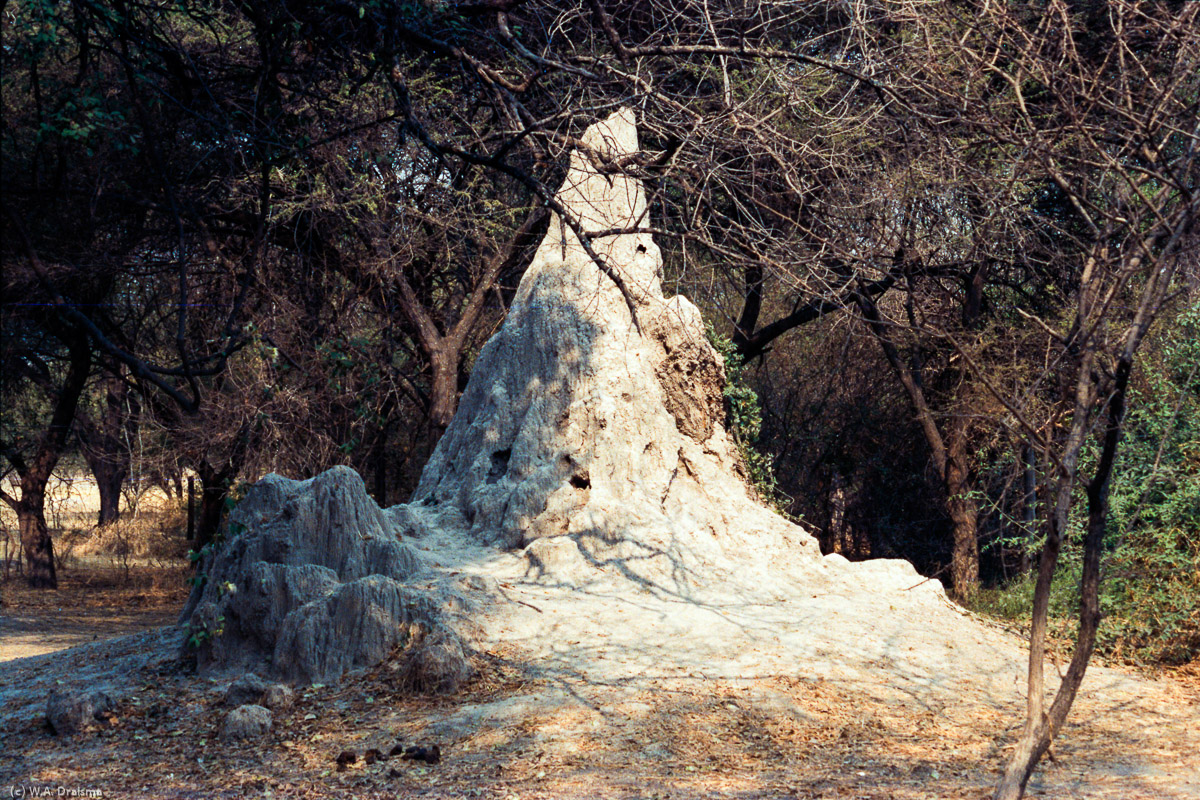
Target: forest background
point(949, 250)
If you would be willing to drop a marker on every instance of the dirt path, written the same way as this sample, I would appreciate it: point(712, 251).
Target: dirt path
point(92, 603)
point(28, 633)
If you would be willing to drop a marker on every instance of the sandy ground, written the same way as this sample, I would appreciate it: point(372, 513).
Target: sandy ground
point(31, 633)
point(97, 599)
point(827, 682)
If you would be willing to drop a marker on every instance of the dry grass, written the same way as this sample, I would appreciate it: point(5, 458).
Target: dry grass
point(149, 533)
point(154, 536)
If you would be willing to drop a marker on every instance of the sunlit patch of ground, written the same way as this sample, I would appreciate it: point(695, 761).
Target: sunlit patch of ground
point(92, 603)
point(771, 737)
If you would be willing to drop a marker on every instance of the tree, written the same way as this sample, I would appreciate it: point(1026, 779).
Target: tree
point(1089, 113)
point(105, 434)
point(179, 160)
point(34, 455)
point(210, 174)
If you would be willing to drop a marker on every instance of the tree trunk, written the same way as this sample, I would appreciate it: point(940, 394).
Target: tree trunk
point(105, 437)
point(964, 559)
point(212, 505)
point(35, 536)
point(215, 487)
point(743, 329)
point(379, 476)
point(216, 482)
point(950, 458)
point(443, 385)
point(35, 472)
point(109, 480)
point(964, 513)
point(444, 350)
point(1041, 727)
point(1029, 505)
point(845, 534)
point(191, 508)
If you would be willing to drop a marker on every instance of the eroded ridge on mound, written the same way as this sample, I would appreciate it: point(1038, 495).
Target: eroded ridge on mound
point(591, 441)
point(312, 582)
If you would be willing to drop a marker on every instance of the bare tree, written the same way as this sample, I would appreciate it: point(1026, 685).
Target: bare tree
point(1088, 119)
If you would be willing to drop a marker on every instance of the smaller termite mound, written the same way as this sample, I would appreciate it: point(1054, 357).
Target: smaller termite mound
point(312, 581)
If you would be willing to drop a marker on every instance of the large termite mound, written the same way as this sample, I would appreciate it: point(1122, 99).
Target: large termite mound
point(593, 437)
point(312, 581)
point(590, 438)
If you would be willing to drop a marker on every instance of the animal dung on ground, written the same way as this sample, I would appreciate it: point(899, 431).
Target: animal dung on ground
point(345, 759)
point(431, 754)
point(428, 753)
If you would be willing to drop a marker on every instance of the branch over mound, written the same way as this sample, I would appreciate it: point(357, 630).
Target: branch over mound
point(313, 582)
point(588, 440)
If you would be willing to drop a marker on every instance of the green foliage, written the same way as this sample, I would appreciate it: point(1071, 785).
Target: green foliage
point(198, 558)
point(1150, 591)
point(1151, 595)
point(1014, 601)
point(199, 634)
point(236, 493)
point(745, 422)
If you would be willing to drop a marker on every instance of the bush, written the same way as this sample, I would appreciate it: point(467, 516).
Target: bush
point(155, 535)
point(1151, 593)
point(744, 419)
point(1150, 590)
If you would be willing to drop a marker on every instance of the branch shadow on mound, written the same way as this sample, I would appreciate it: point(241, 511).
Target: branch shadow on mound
point(602, 551)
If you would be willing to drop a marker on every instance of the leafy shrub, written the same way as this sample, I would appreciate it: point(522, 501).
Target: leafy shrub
point(1151, 595)
point(1150, 591)
point(744, 416)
